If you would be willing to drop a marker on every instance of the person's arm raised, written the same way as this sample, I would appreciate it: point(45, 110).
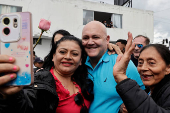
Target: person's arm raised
point(119, 69)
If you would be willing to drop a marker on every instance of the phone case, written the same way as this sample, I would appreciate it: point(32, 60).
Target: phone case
point(17, 42)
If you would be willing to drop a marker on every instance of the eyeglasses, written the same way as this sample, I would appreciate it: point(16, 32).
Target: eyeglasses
point(139, 45)
point(80, 101)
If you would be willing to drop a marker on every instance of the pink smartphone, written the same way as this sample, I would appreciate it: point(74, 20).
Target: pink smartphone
point(16, 40)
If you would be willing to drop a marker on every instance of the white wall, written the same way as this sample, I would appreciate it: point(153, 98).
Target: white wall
point(103, 1)
point(44, 49)
point(68, 15)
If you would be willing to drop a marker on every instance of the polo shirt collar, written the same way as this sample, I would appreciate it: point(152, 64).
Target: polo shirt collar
point(104, 58)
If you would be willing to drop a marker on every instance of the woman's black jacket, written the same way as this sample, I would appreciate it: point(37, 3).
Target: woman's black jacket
point(138, 101)
point(41, 97)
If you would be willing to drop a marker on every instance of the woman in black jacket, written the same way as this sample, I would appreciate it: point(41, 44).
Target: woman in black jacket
point(154, 69)
point(61, 87)
point(56, 36)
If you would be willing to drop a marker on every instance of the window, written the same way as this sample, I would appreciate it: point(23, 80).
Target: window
point(36, 39)
point(9, 9)
point(111, 20)
point(117, 20)
point(87, 16)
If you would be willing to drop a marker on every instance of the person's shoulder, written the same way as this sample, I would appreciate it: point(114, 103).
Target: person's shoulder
point(43, 75)
point(111, 59)
point(35, 69)
point(132, 69)
point(112, 55)
point(42, 70)
point(131, 64)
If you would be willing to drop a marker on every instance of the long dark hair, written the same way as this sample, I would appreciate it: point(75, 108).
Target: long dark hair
point(81, 73)
point(61, 32)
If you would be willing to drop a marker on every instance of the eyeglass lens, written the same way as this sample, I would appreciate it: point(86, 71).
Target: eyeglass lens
point(139, 45)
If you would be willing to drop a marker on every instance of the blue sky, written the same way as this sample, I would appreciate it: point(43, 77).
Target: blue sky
point(161, 9)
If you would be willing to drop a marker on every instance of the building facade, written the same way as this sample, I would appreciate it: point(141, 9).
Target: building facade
point(72, 15)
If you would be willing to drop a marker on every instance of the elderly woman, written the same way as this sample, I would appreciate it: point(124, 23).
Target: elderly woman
point(154, 69)
point(63, 88)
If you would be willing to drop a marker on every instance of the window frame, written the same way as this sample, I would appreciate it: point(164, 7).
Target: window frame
point(121, 18)
point(18, 8)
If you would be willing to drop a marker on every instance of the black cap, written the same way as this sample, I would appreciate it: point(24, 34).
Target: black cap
point(38, 59)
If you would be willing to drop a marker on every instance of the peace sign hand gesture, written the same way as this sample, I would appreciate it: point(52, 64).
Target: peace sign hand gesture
point(119, 69)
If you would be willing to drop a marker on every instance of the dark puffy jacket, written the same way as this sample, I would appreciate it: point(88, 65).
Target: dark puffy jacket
point(134, 60)
point(138, 101)
point(41, 97)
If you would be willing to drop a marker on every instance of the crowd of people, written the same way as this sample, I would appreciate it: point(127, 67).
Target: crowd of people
point(86, 76)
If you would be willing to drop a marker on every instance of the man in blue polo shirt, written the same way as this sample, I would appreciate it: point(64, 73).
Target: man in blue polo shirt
point(100, 67)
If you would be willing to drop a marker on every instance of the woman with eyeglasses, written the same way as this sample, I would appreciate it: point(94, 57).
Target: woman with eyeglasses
point(154, 69)
point(62, 88)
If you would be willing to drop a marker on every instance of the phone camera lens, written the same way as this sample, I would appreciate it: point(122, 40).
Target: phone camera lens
point(6, 21)
point(15, 20)
point(6, 31)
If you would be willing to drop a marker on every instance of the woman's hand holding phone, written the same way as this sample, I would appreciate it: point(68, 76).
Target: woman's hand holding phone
point(8, 70)
point(16, 41)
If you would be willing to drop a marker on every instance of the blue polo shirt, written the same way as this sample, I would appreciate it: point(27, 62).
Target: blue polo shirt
point(106, 99)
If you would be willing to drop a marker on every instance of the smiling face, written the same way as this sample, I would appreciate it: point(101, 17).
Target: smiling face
point(151, 67)
point(138, 40)
point(67, 57)
point(95, 39)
